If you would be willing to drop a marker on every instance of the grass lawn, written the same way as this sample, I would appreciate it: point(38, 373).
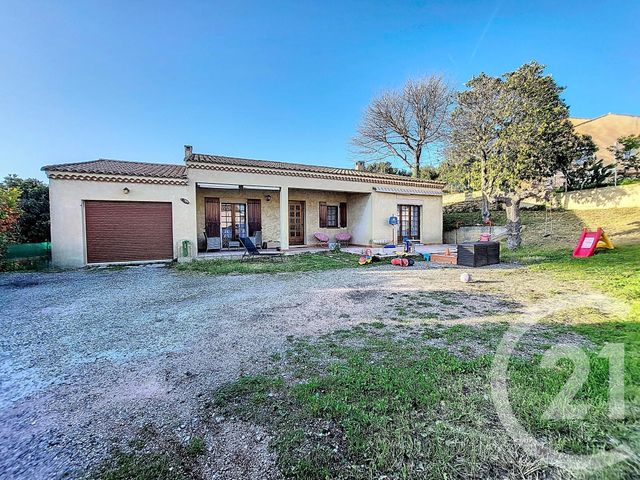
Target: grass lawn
point(412, 399)
point(304, 262)
point(378, 400)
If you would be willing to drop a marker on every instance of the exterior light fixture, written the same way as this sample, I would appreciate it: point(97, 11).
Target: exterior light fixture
point(185, 201)
point(126, 190)
point(267, 198)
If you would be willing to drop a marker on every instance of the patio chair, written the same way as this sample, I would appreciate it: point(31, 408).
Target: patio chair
point(343, 237)
point(252, 252)
point(213, 243)
point(323, 238)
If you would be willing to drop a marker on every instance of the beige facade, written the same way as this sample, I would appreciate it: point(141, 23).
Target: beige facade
point(67, 197)
point(370, 199)
point(605, 131)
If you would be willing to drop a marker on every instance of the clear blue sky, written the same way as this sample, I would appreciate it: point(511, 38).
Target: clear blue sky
point(135, 80)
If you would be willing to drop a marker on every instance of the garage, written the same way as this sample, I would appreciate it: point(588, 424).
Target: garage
point(128, 231)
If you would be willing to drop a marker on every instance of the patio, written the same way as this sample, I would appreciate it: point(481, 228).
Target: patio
point(356, 250)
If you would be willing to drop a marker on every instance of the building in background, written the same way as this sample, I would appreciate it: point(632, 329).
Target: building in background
point(605, 131)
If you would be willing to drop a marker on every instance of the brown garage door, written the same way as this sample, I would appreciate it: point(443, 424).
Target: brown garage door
point(128, 231)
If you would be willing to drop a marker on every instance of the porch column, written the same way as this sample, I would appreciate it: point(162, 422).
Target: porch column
point(284, 218)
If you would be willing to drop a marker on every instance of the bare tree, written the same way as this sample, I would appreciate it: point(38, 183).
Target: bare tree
point(402, 124)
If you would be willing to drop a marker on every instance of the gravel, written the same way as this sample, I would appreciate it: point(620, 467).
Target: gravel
point(88, 358)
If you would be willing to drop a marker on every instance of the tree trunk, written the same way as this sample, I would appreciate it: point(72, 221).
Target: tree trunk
point(486, 213)
point(416, 163)
point(514, 226)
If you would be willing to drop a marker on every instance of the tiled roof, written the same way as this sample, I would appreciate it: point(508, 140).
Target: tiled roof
point(409, 191)
point(121, 167)
point(246, 162)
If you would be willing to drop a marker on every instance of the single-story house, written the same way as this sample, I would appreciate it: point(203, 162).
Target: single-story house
point(111, 211)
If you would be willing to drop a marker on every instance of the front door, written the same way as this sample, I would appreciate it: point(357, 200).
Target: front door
point(296, 223)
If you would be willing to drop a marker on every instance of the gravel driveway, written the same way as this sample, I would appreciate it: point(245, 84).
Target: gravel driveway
point(87, 358)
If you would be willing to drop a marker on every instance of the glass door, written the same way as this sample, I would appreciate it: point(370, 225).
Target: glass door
point(409, 222)
point(233, 221)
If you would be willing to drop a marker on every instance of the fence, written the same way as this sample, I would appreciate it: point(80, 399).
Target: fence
point(23, 251)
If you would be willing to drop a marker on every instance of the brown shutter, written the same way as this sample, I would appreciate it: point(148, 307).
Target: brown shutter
point(254, 216)
point(212, 216)
point(323, 215)
point(343, 215)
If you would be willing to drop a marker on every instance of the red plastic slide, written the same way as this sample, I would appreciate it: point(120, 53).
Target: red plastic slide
point(588, 243)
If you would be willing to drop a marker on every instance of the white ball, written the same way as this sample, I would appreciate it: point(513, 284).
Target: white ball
point(465, 278)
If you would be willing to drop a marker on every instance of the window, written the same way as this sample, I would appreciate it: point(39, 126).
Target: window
point(332, 216)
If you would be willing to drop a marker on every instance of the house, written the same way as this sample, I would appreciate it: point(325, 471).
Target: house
point(605, 131)
point(110, 211)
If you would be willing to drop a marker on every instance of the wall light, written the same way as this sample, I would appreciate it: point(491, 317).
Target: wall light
point(126, 190)
point(185, 201)
point(267, 198)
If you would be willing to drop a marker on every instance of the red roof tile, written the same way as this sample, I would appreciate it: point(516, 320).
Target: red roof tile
point(121, 167)
point(246, 162)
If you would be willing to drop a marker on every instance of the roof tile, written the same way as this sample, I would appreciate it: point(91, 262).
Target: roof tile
point(246, 162)
point(121, 167)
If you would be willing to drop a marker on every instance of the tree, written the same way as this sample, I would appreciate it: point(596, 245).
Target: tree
point(476, 126)
point(9, 215)
point(580, 166)
point(521, 123)
point(385, 167)
point(429, 172)
point(403, 124)
point(627, 154)
point(33, 225)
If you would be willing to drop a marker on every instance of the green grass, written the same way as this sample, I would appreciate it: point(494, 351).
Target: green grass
point(366, 403)
point(151, 466)
point(615, 272)
point(397, 407)
point(304, 262)
point(375, 400)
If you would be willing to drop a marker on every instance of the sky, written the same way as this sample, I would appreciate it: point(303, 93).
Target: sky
point(278, 80)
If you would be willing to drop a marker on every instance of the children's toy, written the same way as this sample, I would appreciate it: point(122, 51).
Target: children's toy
point(589, 241)
point(403, 262)
point(446, 257)
point(366, 258)
point(465, 278)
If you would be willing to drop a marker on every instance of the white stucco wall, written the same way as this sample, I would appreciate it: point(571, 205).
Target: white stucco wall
point(66, 197)
point(386, 204)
